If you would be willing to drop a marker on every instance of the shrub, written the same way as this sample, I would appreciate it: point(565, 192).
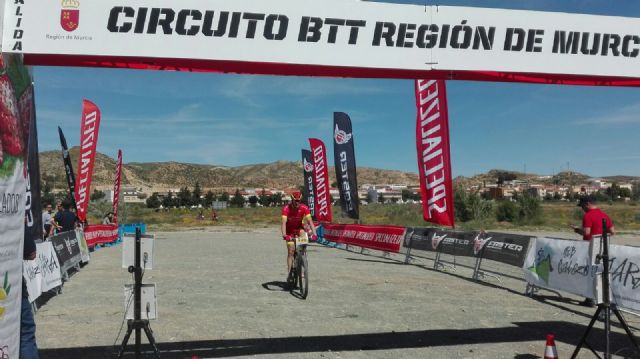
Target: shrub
point(506, 211)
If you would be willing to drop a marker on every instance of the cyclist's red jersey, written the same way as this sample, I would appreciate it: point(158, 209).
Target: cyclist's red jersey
point(294, 218)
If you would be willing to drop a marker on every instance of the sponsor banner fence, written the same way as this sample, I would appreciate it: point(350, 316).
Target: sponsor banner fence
point(500, 247)
point(624, 266)
point(67, 249)
point(100, 234)
point(43, 273)
point(383, 238)
point(456, 243)
point(564, 265)
point(84, 248)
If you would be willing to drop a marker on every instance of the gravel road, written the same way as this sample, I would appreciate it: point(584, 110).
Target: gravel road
point(220, 294)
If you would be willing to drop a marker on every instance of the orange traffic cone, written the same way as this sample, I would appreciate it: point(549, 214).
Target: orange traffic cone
point(550, 351)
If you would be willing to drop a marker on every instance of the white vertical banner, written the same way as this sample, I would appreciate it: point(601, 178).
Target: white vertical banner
point(564, 265)
point(624, 266)
point(12, 192)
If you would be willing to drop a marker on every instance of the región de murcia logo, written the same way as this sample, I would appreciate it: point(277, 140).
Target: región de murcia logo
point(70, 15)
point(341, 136)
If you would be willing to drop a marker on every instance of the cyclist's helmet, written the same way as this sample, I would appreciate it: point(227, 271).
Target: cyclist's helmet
point(296, 196)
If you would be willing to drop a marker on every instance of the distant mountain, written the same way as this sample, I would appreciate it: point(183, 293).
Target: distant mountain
point(561, 178)
point(159, 176)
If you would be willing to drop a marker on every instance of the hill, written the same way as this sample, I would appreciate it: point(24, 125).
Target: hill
point(159, 176)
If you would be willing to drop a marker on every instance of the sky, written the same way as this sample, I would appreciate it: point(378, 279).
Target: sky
point(232, 120)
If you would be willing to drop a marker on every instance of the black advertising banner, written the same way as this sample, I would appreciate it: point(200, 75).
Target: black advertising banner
point(500, 247)
point(503, 247)
point(67, 249)
point(309, 189)
point(345, 164)
point(68, 168)
point(33, 208)
point(437, 240)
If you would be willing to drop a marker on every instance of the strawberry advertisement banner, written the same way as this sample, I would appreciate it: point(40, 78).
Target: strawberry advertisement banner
point(12, 202)
point(383, 238)
point(432, 144)
point(89, 128)
point(321, 180)
point(116, 187)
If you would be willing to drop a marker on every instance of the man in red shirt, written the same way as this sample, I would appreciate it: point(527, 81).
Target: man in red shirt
point(294, 217)
point(592, 226)
point(592, 220)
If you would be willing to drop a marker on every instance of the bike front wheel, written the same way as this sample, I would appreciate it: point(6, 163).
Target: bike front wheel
point(303, 277)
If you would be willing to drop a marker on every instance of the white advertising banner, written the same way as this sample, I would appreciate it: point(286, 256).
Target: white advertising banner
point(561, 265)
point(12, 206)
point(625, 276)
point(329, 37)
point(43, 273)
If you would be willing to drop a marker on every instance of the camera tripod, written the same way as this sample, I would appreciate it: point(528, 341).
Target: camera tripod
point(605, 306)
point(138, 323)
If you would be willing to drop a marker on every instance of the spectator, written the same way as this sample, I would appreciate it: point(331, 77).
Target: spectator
point(66, 219)
point(214, 215)
point(592, 226)
point(28, 346)
point(47, 221)
point(108, 218)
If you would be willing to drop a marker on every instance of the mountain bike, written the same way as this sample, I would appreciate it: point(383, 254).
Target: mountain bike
point(298, 278)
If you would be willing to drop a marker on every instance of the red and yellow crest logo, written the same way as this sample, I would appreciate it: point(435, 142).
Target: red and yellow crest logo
point(70, 15)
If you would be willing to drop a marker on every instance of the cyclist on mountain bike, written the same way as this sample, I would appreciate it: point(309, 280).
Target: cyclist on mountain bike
point(294, 217)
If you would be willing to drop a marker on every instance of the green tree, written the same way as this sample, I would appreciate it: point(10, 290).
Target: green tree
point(253, 201)
point(506, 211)
point(237, 200)
point(209, 197)
point(184, 197)
point(276, 199)
point(153, 201)
point(96, 195)
point(529, 209)
point(224, 197)
point(168, 201)
point(635, 191)
point(47, 196)
point(264, 199)
point(460, 210)
point(195, 195)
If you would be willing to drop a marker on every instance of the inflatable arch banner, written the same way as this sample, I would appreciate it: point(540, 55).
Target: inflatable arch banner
point(327, 38)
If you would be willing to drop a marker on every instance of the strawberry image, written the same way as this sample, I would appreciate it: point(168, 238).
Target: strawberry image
point(11, 131)
point(24, 109)
point(1, 154)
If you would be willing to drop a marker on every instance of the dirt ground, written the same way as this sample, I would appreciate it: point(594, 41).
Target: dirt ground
point(220, 294)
